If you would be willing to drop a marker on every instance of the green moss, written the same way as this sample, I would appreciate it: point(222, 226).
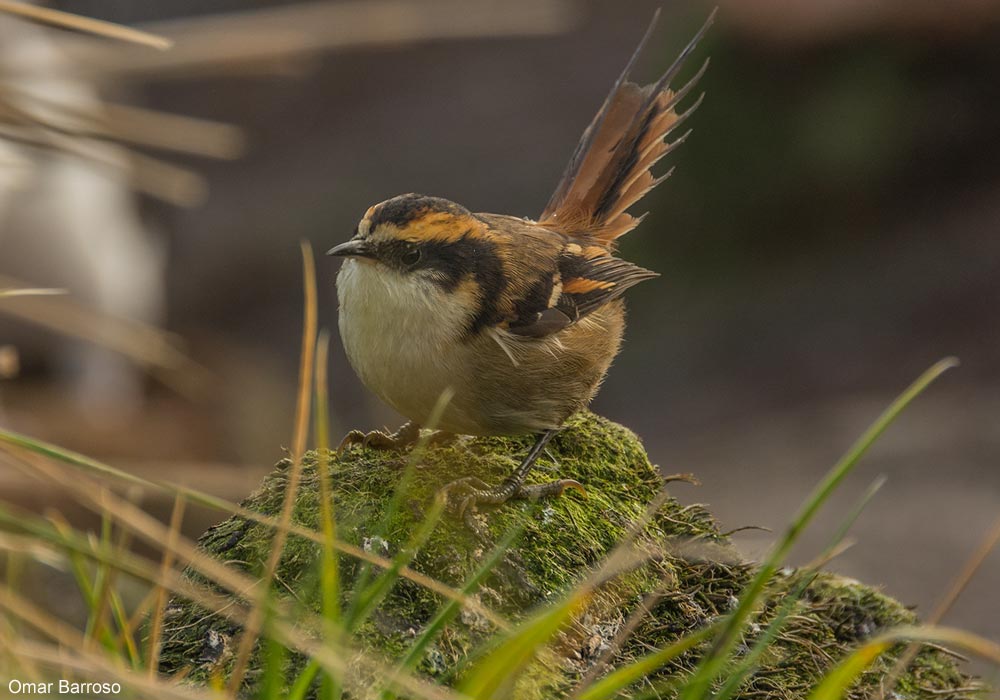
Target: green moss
point(696, 577)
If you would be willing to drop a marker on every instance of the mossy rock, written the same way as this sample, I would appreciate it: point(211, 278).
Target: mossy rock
point(695, 577)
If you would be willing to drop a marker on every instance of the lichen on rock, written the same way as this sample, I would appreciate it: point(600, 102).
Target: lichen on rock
point(695, 576)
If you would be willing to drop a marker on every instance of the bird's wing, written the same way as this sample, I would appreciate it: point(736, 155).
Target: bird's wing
point(583, 279)
point(610, 168)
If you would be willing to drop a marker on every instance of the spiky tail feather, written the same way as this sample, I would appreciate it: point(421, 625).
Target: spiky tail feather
point(611, 167)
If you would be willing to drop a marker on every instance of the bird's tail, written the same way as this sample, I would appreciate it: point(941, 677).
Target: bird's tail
point(611, 167)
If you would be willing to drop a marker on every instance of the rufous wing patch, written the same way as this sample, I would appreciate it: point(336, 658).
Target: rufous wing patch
point(582, 285)
point(590, 280)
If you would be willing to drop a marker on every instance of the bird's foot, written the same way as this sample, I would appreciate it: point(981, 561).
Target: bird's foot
point(466, 494)
point(403, 438)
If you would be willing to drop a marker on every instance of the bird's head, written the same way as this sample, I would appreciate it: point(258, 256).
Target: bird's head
point(414, 234)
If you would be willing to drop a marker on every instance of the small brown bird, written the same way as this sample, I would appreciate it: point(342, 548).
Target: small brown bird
point(518, 319)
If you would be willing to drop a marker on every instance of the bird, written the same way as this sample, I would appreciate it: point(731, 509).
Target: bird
point(515, 320)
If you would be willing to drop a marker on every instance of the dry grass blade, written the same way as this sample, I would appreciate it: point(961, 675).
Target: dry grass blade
point(835, 684)
point(255, 38)
point(156, 626)
point(493, 675)
point(975, 562)
point(175, 132)
point(171, 183)
point(148, 346)
point(92, 665)
point(109, 121)
point(713, 663)
point(635, 618)
point(28, 292)
point(307, 365)
point(88, 25)
point(72, 465)
point(646, 605)
point(157, 178)
point(300, 635)
point(71, 651)
point(145, 526)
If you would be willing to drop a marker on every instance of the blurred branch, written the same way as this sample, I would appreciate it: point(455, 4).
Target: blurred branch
point(150, 347)
point(243, 40)
point(254, 37)
point(66, 20)
point(175, 132)
point(123, 123)
point(29, 292)
point(10, 362)
point(147, 174)
point(83, 131)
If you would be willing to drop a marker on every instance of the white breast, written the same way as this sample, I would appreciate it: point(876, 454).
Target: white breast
point(402, 335)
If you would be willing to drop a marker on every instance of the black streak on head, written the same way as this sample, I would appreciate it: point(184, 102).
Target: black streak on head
point(469, 257)
point(403, 209)
point(492, 281)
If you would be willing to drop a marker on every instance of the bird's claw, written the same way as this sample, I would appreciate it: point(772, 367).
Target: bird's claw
point(403, 438)
point(553, 489)
point(465, 494)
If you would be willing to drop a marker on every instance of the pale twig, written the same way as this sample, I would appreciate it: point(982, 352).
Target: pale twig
point(88, 25)
point(261, 36)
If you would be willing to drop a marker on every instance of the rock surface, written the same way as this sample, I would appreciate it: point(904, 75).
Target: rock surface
point(693, 577)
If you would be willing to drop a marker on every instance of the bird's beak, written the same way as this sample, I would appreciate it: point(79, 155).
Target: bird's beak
point(354, 248)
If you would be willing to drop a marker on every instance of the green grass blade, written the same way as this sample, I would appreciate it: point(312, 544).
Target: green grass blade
point(121, 620)
point(358, 611)
point(300, 435)
point(272, 681)
point(366, 574)
point(494, 672)
point(616, 681)
point(329, 563)
point(748, 664)
point(95, 628)
point(303, 681)
point(491, 676)
point(736, 676)
point(714, 662)
point(193, 496)
point(450, 609)
point(369, 598)
point(836, 683)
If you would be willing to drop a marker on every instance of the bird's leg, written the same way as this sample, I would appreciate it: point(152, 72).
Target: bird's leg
point(405, 437)
point(471, 491)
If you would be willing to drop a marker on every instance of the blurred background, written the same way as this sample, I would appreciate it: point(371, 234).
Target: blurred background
point(831, 230)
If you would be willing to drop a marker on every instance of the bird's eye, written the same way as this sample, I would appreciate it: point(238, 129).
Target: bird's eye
point(411, 257)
